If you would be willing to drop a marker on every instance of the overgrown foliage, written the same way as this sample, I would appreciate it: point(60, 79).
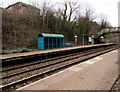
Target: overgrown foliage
point(21, 29)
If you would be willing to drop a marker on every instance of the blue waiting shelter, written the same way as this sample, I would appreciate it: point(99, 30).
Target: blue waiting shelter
point(47, 41)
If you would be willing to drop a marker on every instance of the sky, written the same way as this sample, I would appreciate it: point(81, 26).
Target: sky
point(107, 9)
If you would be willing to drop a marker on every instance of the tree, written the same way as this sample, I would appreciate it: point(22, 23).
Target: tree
point(73, 7)
point(103, 22)
point(69, 9)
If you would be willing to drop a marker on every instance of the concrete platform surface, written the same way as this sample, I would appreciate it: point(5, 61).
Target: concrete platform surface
point(98, 73)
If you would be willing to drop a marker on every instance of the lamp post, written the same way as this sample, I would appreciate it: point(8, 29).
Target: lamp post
point(75, 39)
point(92, 39)
point(84, 38)
point(101, 39)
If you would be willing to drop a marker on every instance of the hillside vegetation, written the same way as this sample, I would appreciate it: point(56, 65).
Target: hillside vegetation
point(20, 28)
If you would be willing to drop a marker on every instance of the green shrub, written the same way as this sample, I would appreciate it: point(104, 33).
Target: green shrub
point(19, 50)
point(24, 50)
point(13, 51)
point(4, 52)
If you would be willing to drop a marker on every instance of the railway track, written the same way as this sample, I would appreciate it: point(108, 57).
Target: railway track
point(12, 76)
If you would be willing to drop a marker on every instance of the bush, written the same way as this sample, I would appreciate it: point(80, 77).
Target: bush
point(19, 50)
point(24, 50)
point(4, 52)
point(13, 51)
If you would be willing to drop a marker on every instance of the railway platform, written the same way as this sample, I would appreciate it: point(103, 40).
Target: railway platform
point(17, 56)
point(98, 73)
